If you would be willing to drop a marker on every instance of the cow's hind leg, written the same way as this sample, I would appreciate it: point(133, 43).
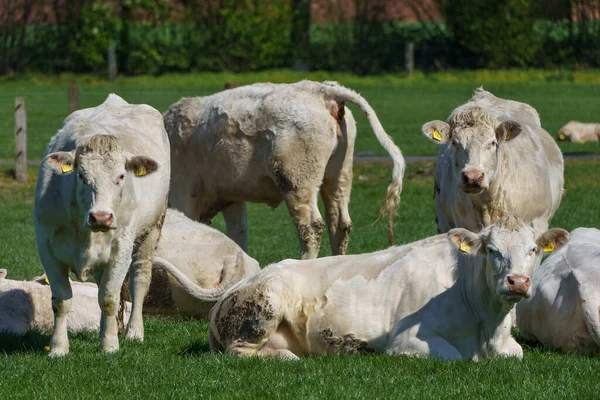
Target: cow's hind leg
point(303, 207)
point(431, 347)
point(335, 192)
point(140, 276)
point(237, 224)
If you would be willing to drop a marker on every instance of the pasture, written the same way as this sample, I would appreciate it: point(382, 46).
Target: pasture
point(175, 361)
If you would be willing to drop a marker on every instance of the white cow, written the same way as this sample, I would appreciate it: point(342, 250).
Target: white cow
point(563, 311)
point(26, 306)
point(100, 200)
point(446, 296)
point(268, 143)
point(579, 132)
point(206, 262)
point(494, 159)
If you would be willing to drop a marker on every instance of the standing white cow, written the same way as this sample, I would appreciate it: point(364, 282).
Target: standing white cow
point(446, 296)
point(494, 159)
point(579, 132)
point(100, 201)
point(563, 311)
point(268, 143)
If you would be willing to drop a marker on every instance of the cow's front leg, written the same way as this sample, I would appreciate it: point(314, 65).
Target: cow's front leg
point(109, 293)
point(62, 295)
point(510, 348)
point(140, 276)
point(236, 222)
point(431, 347)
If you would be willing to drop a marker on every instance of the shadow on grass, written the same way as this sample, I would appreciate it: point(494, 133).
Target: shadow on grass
point(31, 342)
point(196, 348)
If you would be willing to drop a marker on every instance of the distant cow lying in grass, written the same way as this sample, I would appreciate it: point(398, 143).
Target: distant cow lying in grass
point(579, 132)
point(446, 296)
point(27, 306)
point(563, 311)
point(203, 259)
point(268, 143)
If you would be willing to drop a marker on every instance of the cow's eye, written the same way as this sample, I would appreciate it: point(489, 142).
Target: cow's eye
point(455, 142)
point(533, 251)
point(493, 144)
point(492, 248)
point(80, 176)
point(120, 178)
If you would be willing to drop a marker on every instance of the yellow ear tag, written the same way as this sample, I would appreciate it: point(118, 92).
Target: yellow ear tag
point(464, 247)
point(47, 348)
point(507, 134)
point(561, 136)
point(47, 281)
point(549, 248)
point(141, 170)
point(66, 168)
point(436, 135)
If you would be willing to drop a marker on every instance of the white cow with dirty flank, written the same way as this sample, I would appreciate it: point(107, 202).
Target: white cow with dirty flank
point(580, 132)
point(494, 159)
point(563, 311)
point(193, 266)
point(446, 297)
point(268, 143)
point(100, 201)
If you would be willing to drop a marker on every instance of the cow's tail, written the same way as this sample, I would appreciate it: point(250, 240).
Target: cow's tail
point(590, 307)
point(392, 199)
point(233, 271)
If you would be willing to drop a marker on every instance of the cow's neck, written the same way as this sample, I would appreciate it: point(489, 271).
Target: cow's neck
point(483, 303)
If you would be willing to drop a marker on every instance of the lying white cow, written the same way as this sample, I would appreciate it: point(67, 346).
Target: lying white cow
point(446, 296)
point(269, 143)
point(580, 132)
point(564, 309)
point(27, 306)
point(100, 200)
point(494, 160)
point(205, 261)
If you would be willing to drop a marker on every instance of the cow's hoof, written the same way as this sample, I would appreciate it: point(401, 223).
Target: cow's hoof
point(135, 334)
point(57, 352)
point(110, 346)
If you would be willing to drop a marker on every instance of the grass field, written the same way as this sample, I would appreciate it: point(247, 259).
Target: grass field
point(402, 105)
point(175, 362)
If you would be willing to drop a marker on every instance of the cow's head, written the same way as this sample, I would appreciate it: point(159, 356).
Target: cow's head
point(475, 137)
point(100, 168)
point(512, 251)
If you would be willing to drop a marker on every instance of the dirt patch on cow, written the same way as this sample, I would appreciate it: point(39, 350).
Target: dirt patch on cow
point(159, 294)
point(347, 344)
point(245, 319)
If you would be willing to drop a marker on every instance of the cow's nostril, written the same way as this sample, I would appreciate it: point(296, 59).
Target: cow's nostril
point(92, 219)
point(465, 178)
point(480, 179)
point(510, 280)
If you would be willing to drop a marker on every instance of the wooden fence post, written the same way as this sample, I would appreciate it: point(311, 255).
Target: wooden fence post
point(20, 140)
point(409, 58)
point(73, 97)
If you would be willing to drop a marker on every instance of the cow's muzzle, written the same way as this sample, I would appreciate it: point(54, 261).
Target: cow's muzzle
point(100, 221)
point(518, 285)
point(472, 181)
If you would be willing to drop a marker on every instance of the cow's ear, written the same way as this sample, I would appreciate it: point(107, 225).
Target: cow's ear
point(2, 274)
point(508, 130)
point(552, 240)
point(141, 165)
point(465, 241)
point(437, 131)
point(61, 161)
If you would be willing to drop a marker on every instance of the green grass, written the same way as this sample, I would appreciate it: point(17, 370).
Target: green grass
point(175, 362)
point(402, 105)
